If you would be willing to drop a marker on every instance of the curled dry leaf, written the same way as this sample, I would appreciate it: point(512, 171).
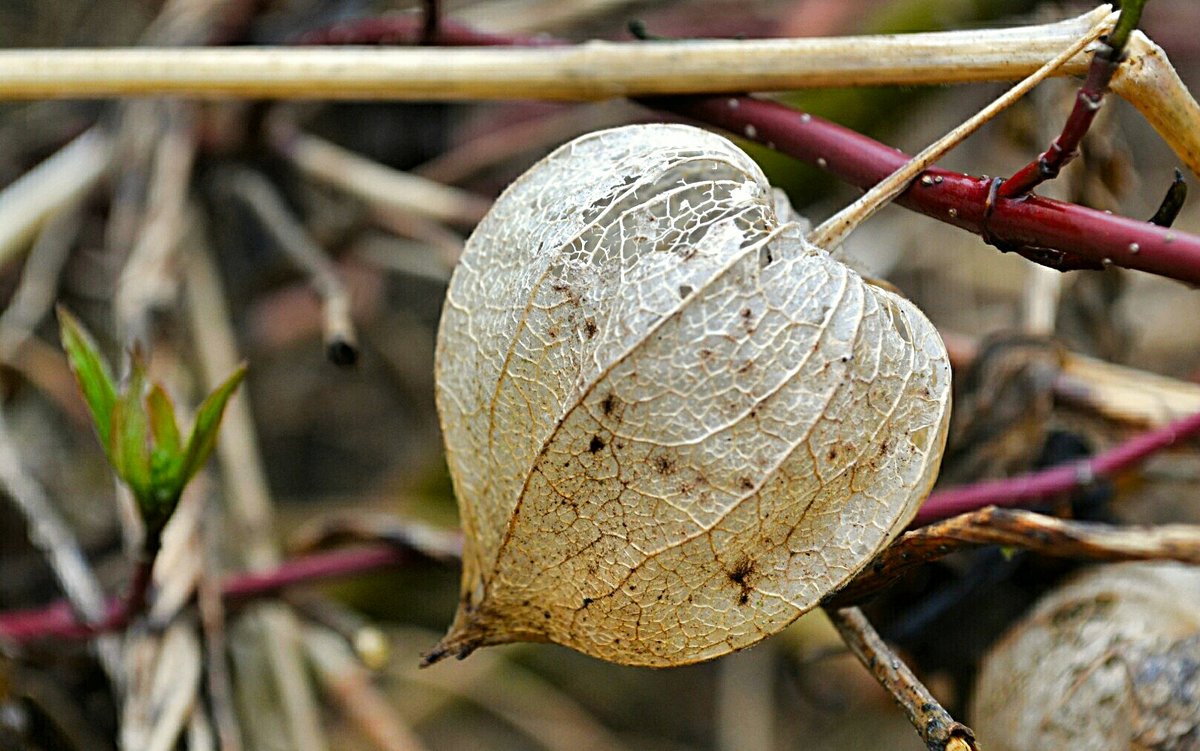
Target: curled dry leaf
point(1109, 662)
point(673, 425)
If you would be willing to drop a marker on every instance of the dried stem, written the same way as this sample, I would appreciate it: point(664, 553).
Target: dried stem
point(148, 281)
point(36, 292)
point(502, 142)
point(249, 498)
point(1034, 486)
point(1172, 202)
point(351, 687)
point(934, 724)
point(341, 340)
point(52, 536)
point(377, 184)
point(210, 606)
point(1025, 530)
point(1065, 147)
point(58, 182)
point(597, 70)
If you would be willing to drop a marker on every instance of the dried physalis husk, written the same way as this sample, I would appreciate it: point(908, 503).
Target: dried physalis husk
point(1109, 662)
point(673, 425)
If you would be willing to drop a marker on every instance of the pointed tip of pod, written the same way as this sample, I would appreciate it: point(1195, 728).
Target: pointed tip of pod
point(466, 634)
point(452, 644)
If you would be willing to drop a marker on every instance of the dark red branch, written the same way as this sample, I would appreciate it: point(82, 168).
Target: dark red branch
point(1061, 235)
point(57, 621)
point(1028, 488)
point(60, 620)
point(1088, 99)
point(1065, 146)
point(1074, 232)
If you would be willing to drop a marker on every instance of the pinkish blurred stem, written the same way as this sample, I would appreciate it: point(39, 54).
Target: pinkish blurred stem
point(56, 621)
point(1035, 486)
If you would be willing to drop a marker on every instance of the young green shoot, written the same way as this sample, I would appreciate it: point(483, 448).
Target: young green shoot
point(138, 428)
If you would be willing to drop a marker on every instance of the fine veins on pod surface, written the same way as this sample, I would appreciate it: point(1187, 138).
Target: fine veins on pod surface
point(673, 425)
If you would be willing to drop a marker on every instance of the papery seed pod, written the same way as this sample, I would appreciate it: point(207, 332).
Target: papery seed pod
point(1108, 662)
point(673, 425)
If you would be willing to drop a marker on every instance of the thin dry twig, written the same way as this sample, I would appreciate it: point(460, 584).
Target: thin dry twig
point(341, 529)
point(936, 727)
point(51, 535)
point(148, 282)
point(55, 184)
point(1123, 393)
point(745, 711)
point(520, 697)
point(444, 246)
point(35, 294)
point(1025, 530)
point(165, 681)
point(377, 184)
point(350, 686)
point(211, 609)
point(1117, 392)
point(248, 497)
point(341, 340)
point(833, 230)
point(504, 142)
point(596, 70)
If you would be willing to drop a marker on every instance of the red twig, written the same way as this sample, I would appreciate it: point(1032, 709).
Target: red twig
point(57, 621)
point(1075, 233)
point(1090, 96)
point(1023, 489)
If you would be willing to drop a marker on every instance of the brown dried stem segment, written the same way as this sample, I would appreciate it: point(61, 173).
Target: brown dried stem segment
point(1065, 147)
point(933, 723)
point(1013, 491)
point(1026, 530)
point(341, 341)
point(1172, 202)
point(431, 21)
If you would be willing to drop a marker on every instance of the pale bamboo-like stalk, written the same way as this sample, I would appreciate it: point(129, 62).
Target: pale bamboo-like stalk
point(601, 70)
point(595, 70)
point(1148, 81)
